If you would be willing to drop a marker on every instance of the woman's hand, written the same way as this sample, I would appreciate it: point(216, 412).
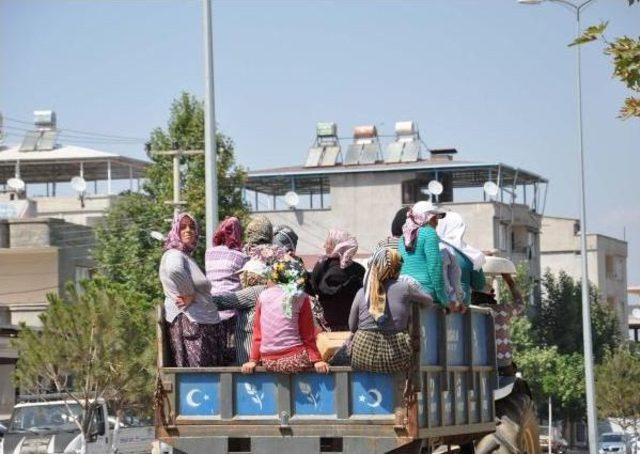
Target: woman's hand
point(184, 301)
point(321, 367)
point(462, 308)
point(248, 367)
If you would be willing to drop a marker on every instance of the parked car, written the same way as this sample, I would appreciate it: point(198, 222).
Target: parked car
point(558, 444)
point(617, 442)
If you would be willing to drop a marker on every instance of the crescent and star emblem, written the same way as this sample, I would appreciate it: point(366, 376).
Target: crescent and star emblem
point(373, 398)
point(190, 398)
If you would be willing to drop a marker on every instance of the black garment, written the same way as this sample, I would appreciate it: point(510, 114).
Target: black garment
point(335, 288)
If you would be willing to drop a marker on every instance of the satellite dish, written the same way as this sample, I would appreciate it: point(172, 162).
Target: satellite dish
point(157, 235)
point(15, 184)
point(291, 199)
point(435, 187)
point(491, 189)
point(635, 313)
point(78, 184)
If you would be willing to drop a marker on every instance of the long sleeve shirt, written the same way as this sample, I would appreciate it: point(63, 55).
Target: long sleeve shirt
point(400, 295)
point(180, 275)
point(424, 263)
point(470, 279)
point(244, 302)
point(275, 335)
point(222, 265)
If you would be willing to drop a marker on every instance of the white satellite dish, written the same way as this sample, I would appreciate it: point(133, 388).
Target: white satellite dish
point(15, 184)
point(157, 235)
point(635, 313)
point(78, 184)
point(291, 199)
point(491, 189)
point(435, 187)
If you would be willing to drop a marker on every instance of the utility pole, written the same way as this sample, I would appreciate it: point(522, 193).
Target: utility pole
point(550, 428)
point(210, 147)
point(176, 154)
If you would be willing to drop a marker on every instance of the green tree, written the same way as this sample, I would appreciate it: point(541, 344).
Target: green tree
point(617, 393)
point(125, 251)
point(557, 319)
point(625, 53)
point(96, 347)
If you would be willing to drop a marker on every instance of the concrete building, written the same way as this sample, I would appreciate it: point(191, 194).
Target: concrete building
point(606, 260)
point(634, 313)
point(46, 225)
point(362, 192)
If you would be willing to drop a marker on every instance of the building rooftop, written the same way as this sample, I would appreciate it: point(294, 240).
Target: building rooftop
point(63, 162)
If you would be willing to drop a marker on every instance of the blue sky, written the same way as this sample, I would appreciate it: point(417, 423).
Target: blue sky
point(492, 78)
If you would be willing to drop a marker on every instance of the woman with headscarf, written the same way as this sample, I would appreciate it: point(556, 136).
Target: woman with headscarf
point(258, 244)
point(380, 316)
point(396, 229)
point(469, 259)
point(420, 250)
point(284, 338)
point(225, 258)
point(196, 336)
point(336, 278)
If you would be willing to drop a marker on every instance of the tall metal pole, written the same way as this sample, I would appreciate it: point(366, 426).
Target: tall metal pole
point(210, 150)
point(592, 421)
point(176, 184)
point(549, 448)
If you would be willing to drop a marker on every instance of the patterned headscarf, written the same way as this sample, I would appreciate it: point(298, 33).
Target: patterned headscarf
point(451, 232)
point(229, 233)
point(285, 237)
point(342, 246)
point(419, 215)
point(289, 275)
point(384, 265)
point(259, 231)
point(173, 240)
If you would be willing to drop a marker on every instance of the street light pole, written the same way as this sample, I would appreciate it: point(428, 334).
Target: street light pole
point(592, 421)
point(210, 148)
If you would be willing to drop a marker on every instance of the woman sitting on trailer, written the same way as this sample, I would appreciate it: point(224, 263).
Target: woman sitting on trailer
point(396, 229)
point(284, 338)
point(380, 315)
point(252, 277)
point(451, 231)
point(196, 335)
point(336, 278)
point(225, 258)
point(420, 251)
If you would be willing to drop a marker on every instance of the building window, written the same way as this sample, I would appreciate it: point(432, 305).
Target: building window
point(503, 237)
point(82, 273)
point(581, 432)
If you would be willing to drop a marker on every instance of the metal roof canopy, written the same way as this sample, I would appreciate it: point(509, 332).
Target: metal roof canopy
point(464, 175)
point(63, 163)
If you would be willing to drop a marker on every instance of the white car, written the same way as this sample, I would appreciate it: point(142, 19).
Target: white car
point(614, 442)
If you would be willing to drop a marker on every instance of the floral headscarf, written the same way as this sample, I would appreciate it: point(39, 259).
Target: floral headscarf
point(173, 240)
point(289, 275)
point(384, 265)
point(229, 233)
point(259, 231)
point(419, 215)
point(342, 246)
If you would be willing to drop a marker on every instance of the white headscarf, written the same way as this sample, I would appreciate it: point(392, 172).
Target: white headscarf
point(451, 231)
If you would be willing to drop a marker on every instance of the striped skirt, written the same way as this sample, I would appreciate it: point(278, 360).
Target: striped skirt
point(195, 344)
point(377, 351)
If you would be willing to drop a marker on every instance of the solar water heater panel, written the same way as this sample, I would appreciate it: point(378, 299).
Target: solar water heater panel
point(411, 151)
point(330, 156)
point(314, 157)
point(370, 153)
point(353, 154)
point(394, 151)
point(30, 140)
point(48, 140)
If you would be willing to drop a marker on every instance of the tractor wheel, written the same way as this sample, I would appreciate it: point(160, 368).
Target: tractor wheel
point(517, 430)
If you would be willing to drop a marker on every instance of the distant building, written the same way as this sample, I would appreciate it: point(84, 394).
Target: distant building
point(360, 188)
point(634, 313)
point(606, 260)
point(46, 234)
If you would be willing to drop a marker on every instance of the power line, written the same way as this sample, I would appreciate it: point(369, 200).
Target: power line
point(78, 131)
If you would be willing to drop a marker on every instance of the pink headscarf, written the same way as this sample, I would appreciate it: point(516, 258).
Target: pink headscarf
point(344, 246)
point(419, 215)
point(173, 240)
point(229, 233)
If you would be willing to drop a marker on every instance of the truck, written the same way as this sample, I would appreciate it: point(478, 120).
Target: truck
point(452, 396)
point(45, 424)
